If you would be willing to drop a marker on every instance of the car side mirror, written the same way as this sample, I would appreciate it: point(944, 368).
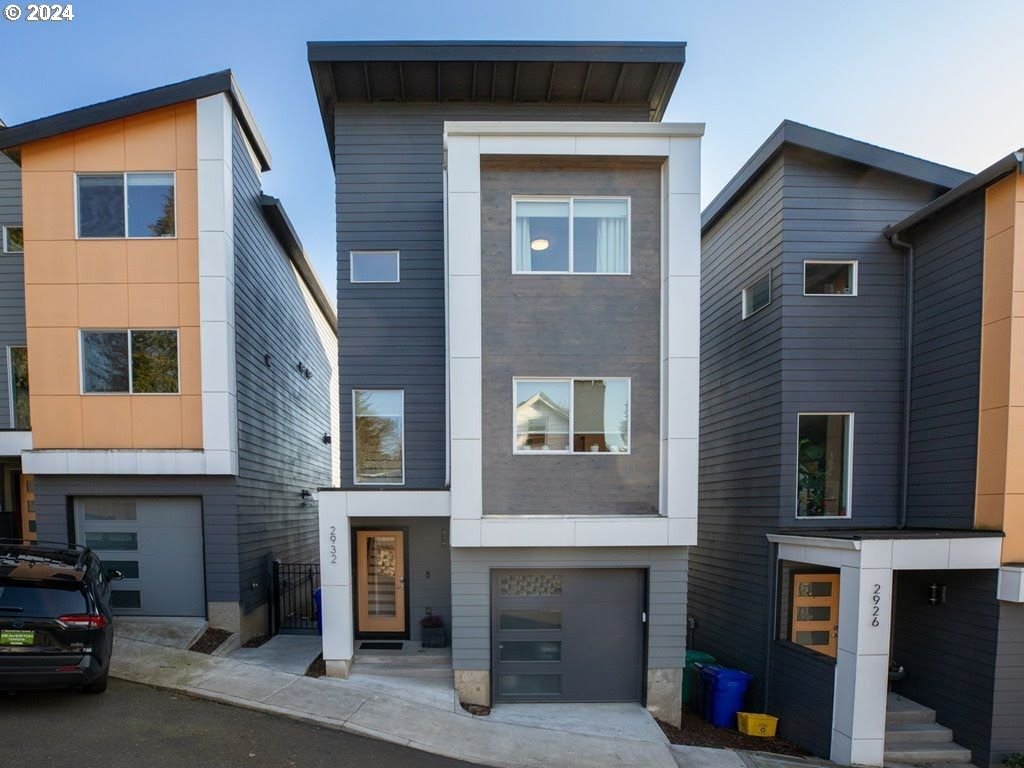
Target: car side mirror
point(113, 575)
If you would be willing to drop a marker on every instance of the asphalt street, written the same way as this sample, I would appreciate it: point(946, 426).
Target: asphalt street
point(134, 726)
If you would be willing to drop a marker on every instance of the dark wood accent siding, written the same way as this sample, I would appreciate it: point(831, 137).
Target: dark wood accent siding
point(570, 325)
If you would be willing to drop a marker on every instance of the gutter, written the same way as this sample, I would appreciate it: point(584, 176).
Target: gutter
point(908, 360)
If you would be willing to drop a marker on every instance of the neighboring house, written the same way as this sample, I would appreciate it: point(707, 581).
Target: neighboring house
point(851, 517)
point(182, 356)
point(518, 277)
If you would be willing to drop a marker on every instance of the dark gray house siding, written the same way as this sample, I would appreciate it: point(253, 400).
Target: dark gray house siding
point(282, 415)
point(544, 325)
point(801, 696)
point(1008, 699)
point(844, 353)
point(54, 495)
point(946, 366)
point(949, 652)
point(388, 167)
point(12, 282)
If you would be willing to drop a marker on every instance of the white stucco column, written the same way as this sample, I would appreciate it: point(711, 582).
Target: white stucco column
point(862, 661)
point(336, 583)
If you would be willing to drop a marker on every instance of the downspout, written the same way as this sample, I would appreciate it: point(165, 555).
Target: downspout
point(447, 331)
point(908, 359)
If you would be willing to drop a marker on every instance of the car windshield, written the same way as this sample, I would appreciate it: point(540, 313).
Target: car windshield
point(41, 602)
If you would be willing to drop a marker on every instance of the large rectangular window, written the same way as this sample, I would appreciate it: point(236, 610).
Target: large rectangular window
point(117, 205)
point(130, 362)
point(830, 278)
point(581, 235)
point(824, 451)
point(379, 440)
point(572, 415)
point(17, 360)
point(13, 240)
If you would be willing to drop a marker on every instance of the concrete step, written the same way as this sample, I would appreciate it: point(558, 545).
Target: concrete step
point(917, 733)
point(901, 710)
point(926, 754)
point(419, 674)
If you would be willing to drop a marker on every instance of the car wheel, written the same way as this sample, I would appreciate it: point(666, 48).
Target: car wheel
point(96, 686)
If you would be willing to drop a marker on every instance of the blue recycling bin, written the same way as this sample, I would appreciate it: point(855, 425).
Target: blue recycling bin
point(318, 601)
point(723, 691)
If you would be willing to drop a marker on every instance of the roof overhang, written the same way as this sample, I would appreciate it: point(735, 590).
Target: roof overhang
point(282, 227)
point(582, 73)
point(13, 137)
point(794, 134)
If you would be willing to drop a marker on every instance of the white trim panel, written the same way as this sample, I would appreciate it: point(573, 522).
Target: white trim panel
point(1011, 584)
point(13, 442)
point(122, 462)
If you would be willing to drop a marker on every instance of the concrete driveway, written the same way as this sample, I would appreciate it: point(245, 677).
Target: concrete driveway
point(133, 725)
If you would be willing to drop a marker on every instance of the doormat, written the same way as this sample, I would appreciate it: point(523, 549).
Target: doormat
point(380, 646)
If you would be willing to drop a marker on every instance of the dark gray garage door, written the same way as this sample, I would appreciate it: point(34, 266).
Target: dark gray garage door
point(567, 635)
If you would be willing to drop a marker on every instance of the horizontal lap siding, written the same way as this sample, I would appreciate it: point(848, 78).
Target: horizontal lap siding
point(949, 652)
point(282, 415)
point(388, 165)
point(739, 428)
point(846, 353)
point(12, 282)
point(1008, 700)
point(220, 543)
point(803, 684)
point(946, 366)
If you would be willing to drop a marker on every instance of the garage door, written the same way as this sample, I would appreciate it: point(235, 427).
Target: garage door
point(157, 543)
point(567, 635)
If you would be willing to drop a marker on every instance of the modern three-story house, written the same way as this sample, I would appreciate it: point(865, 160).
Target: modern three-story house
point(859, 474)
point(169, 355)
point(518, 276)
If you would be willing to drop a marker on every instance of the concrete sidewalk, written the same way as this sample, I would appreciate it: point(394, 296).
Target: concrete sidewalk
point(349, 706)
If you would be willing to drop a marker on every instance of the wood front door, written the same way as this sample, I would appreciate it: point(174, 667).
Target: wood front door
point(380, 569)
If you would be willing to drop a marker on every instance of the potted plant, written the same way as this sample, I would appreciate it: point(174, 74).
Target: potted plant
point(432, 632)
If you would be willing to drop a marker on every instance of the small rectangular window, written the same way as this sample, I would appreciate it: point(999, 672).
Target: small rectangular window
point(824, 450)
point(757, 295)
point(14, 240)
point(572, 415)
point(379, 440)
point(374, 266)
point(125, 599)
point(577, 235)
point(830, 278)
point(130, 362)
point(814, 611)
point(118, 205)
point(112, 540)
point(18, 360)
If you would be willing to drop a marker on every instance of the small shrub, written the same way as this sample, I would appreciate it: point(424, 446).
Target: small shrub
point(1016, 760)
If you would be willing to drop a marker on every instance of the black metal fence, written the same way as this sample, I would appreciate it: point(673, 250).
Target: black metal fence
point(293, 607)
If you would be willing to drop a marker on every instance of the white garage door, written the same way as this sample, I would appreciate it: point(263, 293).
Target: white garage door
point(157, 543)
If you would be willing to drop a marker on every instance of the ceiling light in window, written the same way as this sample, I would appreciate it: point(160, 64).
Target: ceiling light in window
point(540, 244)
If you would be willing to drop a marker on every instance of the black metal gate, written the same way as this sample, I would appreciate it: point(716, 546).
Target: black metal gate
point(293, 609)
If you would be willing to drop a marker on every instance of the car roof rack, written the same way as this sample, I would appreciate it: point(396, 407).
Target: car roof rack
point(53, 552)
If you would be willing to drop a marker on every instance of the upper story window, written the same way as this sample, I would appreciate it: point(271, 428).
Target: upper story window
point(571, 235)
point(830, 278)
point(17, 365)
point(114, 205)
point(374, 266)
point(757, 295)
point(824, 464)
point(130, 362)
point(572, 415)
point(14, 240)
point(379, 440)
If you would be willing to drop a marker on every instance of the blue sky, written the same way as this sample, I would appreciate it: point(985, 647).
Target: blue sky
point(939, 79)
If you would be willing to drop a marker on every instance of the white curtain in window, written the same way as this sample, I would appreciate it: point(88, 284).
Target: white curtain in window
point(611, 245)
point(524, 254)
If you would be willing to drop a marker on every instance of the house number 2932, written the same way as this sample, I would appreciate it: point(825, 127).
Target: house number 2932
point(876, 599)
point(333, 539)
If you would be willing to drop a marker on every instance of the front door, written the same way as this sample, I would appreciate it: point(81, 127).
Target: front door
point(380, 567)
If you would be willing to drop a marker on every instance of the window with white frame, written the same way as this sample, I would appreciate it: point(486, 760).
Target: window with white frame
point(374, 266)
point(17, 365)
point(14, 240)
point(117, 205)
point(562, 416)
point(578, 235)
point(830, 278)
point(824, 464)
point(379, 436)
point(757, 295)
point(130, 362)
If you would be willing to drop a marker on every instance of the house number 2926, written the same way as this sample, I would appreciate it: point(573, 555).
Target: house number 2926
point(876, 599)
point(333, 538)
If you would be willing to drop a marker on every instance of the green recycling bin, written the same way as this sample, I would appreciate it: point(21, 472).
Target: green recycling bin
point(689, 673)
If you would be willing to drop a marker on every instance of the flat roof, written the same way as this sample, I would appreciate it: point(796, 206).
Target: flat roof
point(800, 135)
point(12, 137)
point(638, 74)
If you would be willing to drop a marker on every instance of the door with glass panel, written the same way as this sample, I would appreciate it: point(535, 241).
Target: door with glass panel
point(380, 571)
point(815, 612)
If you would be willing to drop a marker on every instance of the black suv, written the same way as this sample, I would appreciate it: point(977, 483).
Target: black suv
point(56, 628)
